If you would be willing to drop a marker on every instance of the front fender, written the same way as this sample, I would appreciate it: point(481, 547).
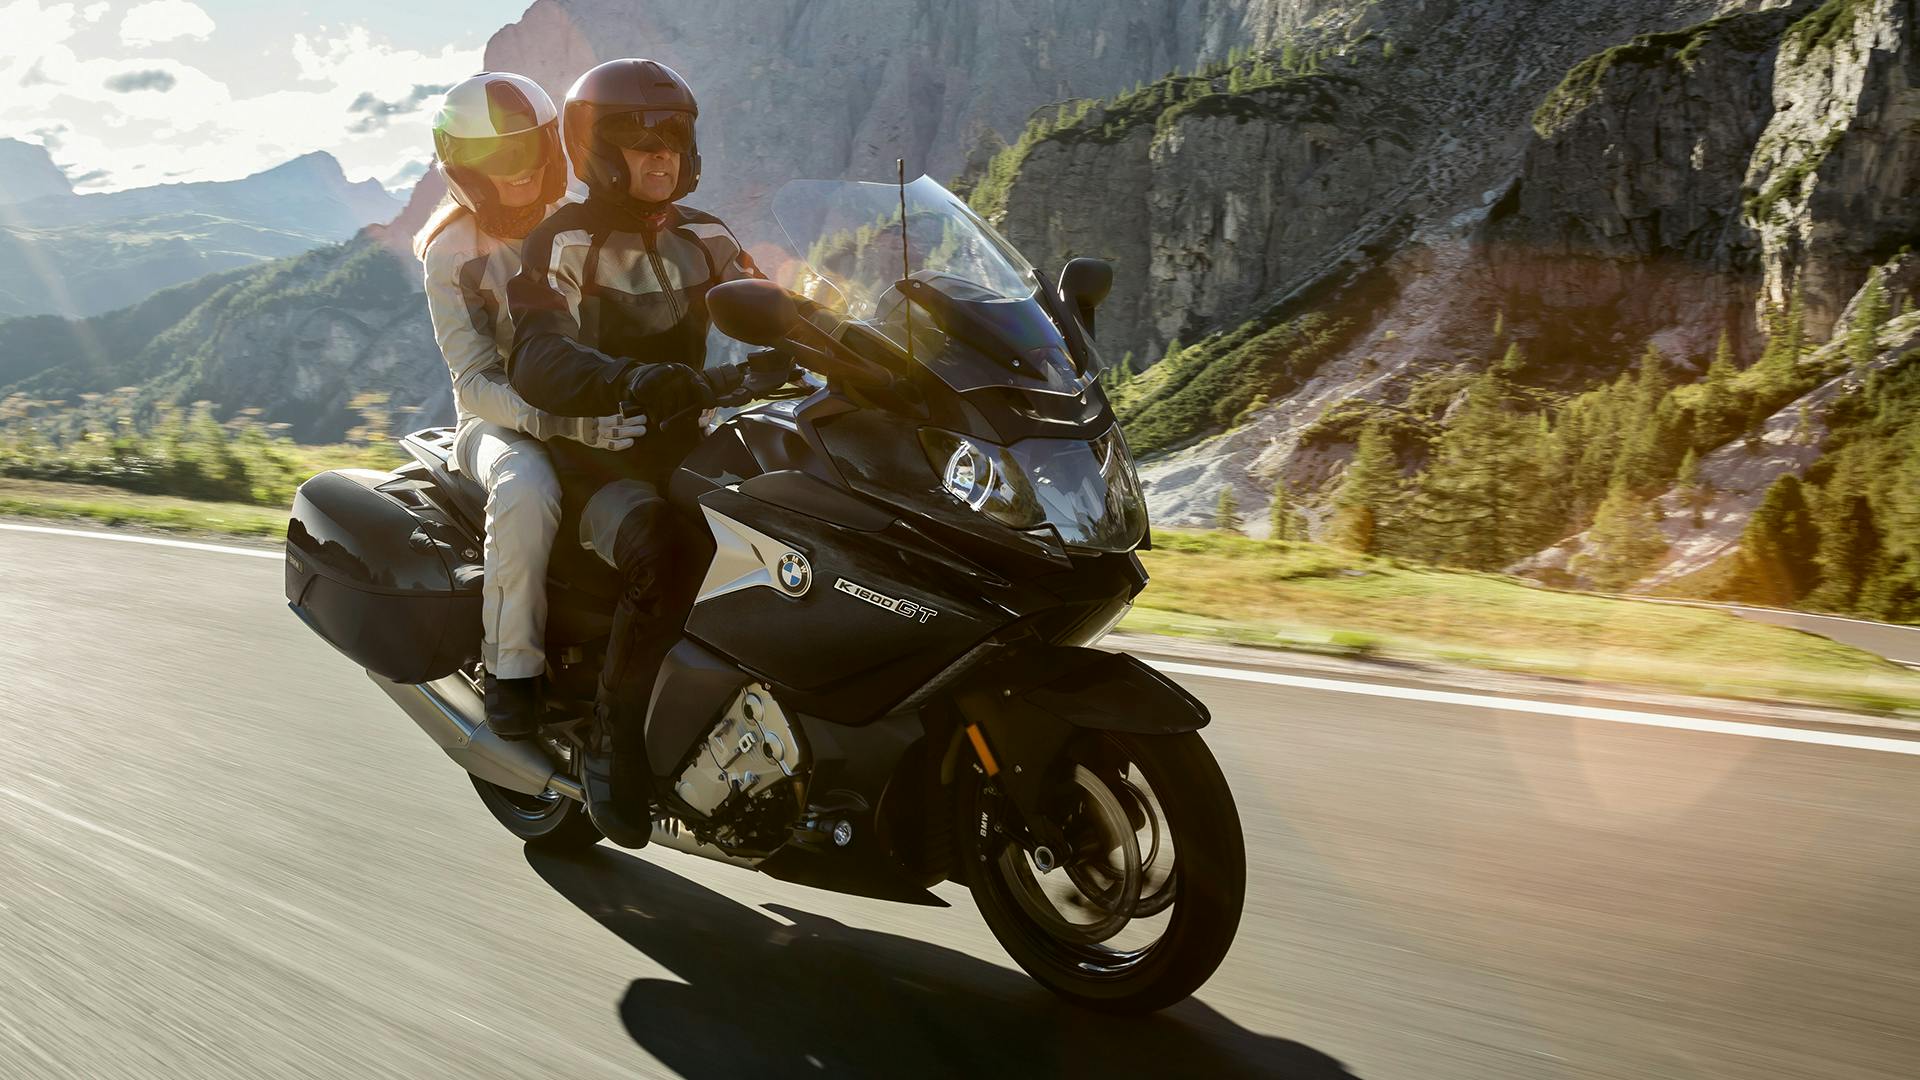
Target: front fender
point(1019, 713)
point(1105, 691)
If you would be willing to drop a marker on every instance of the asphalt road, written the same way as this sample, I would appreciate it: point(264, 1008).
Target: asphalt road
point(1901, 644)
point(224, 854)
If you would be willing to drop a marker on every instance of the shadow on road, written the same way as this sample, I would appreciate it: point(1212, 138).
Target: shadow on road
point(820, 998)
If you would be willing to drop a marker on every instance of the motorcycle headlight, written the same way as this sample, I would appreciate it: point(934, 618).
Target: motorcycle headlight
point(983, 477)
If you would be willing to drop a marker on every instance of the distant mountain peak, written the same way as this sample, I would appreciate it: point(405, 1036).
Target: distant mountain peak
point(29, 173)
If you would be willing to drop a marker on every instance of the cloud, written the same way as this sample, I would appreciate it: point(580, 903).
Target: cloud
point(379, 113)
point(145, 79)
point(164, 20)
point(92, 12)
point(354, 95)
point(88, 177)
point(32, 30)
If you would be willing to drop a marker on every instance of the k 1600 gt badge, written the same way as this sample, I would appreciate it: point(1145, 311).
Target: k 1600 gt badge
point(907, 609)
point(794, 574)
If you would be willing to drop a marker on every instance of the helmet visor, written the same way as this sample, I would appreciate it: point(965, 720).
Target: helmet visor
point(650, 129)
point(498, 155)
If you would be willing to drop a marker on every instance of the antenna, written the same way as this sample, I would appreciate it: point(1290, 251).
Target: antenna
point(906, 263)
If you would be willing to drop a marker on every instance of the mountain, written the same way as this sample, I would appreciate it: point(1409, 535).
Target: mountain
point(296, 339)
point(1589, 281)
point(830, 89)
point(1350, 222)
point(788, 89)
point(69, 254)
point(30, 172)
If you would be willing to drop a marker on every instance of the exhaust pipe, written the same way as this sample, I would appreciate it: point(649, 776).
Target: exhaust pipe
point(451, 713)
point(669, 833)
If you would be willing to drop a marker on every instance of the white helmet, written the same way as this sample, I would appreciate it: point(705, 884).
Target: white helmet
point(498, 124)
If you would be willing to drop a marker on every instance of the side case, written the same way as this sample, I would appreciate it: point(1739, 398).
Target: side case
point(383, 576)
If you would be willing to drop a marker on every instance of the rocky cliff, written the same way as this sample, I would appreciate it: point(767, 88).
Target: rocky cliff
point(1587, 179)
point(826, 89)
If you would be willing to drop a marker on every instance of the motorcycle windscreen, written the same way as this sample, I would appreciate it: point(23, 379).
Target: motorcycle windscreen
point(969, 297)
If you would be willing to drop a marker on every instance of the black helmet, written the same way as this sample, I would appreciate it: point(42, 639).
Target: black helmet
point(627, 103)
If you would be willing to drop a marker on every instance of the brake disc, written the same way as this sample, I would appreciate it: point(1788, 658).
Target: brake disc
point(1103, 868)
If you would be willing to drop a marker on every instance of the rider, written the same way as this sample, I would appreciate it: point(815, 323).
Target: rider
point(498, 146)
point(609, 310)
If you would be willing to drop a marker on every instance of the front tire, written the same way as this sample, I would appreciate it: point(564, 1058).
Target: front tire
point(1169, 790)
point(548, 822)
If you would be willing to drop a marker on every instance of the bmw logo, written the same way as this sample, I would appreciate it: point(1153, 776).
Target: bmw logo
point(794, 574)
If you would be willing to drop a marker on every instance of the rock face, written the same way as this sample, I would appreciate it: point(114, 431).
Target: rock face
point(1205, 215)
point(1592, 190)
point(1630, 200)
point(1837, 172)
point(826, 89)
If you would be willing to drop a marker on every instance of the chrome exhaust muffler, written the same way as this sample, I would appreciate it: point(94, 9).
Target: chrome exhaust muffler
point(450, 711)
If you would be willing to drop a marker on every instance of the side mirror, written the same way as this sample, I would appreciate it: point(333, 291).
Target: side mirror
point(1084, 283)
point(754, 311)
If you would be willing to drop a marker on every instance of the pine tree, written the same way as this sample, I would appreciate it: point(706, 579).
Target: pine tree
point(1720, 408)
point(1785, 343)
point(1626, 541)
point(1647, 448)
point(1863, 341)
point(1775, 562)
point(1288, 524)
point(1692, 491)
point(1369, 493)
point(1850, 542)
point(1482, 502)
point(1226, 515)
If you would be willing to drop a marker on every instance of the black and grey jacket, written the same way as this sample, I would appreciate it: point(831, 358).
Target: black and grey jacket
point(600, 290)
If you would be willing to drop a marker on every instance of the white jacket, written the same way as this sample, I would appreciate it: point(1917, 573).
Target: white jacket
point(467, 271)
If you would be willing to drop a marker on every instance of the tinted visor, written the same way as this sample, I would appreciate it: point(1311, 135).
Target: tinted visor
point(648, 130)
point(499, 155)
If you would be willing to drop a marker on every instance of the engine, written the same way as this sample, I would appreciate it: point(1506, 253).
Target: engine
point(751, 751)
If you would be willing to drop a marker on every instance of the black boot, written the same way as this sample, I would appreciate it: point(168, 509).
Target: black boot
point(619, 799)
point(513, 706)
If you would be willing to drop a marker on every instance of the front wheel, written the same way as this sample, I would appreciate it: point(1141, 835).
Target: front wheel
point(1142, 905)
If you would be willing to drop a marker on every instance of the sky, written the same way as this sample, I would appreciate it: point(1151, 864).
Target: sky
point(127, 93)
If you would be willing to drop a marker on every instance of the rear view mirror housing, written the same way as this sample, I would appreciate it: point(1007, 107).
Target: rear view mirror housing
point(752, 310)
point(1084, 283)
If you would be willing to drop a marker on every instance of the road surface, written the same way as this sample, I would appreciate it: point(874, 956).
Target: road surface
point(223, 853)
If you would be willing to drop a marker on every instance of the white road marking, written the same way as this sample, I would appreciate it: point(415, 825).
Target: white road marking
point(157, 541)
point(1550, 708)
point(1304, 682)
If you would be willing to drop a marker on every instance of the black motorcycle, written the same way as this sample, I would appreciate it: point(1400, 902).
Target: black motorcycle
point(886, 680)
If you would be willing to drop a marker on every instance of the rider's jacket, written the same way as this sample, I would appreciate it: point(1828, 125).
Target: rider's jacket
point(467, 270)
point(601, 289)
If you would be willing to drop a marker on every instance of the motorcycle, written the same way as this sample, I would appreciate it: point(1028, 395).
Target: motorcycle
point(887, 678)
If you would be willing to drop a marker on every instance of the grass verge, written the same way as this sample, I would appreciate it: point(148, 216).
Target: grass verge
point(110, 506)
point(1306, 596)
point(1279, 595)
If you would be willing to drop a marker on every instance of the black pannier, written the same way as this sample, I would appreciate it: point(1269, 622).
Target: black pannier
point(383, 576)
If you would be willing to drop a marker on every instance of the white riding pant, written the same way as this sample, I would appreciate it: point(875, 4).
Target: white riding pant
point(523, 516)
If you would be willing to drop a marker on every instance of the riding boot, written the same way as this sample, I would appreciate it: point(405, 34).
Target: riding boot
point(616, 774)
point(513, 706)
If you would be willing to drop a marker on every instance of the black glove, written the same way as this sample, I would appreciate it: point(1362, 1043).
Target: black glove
point(761, 374)
point(667, 392)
